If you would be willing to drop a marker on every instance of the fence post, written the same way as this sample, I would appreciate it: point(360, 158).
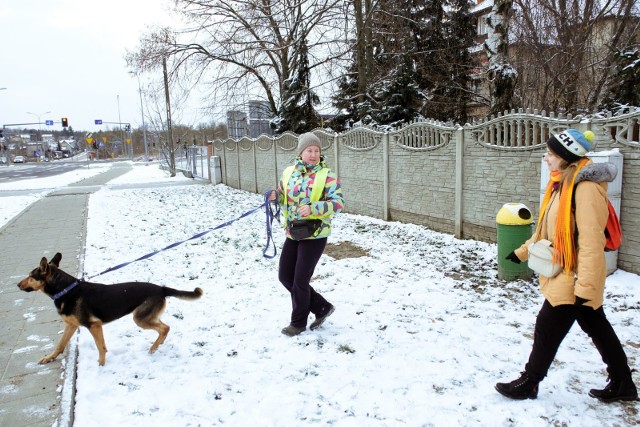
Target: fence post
point(385, 172)
point(336, 153)
point(275, 162)
point(238, 164)
point(224, 156)
point(255, 167)
point(459, 135)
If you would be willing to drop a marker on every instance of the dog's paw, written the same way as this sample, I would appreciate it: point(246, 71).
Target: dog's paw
point(47, 359)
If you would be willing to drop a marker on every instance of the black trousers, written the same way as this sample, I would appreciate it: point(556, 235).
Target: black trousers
point(553, 324)
point(298, 260)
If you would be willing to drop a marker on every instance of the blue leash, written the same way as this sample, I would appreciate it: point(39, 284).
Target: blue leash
point(270, 216)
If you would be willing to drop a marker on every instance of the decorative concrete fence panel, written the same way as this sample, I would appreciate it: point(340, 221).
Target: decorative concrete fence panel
point(450, 178)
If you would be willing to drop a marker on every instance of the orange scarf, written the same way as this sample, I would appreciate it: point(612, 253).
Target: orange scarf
point(563, 244)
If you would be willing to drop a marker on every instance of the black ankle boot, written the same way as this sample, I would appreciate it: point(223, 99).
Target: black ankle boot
point(522, 388)
point(616, 390)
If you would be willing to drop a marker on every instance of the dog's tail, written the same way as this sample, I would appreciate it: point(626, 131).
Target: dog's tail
point(170, 292)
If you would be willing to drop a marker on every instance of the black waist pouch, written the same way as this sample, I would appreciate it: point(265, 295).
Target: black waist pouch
point(301, 229)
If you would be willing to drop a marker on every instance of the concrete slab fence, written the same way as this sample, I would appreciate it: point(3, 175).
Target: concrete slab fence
point(450, 178)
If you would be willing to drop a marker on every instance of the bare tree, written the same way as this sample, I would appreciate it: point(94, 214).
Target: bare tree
point(564, 49)
point(241, 47)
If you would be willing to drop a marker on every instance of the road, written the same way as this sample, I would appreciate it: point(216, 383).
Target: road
point(38, 170)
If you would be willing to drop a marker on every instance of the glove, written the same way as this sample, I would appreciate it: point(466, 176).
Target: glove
point(581, 301)
point(513, 258)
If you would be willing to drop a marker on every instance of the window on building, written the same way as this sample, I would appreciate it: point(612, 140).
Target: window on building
point(483, 28)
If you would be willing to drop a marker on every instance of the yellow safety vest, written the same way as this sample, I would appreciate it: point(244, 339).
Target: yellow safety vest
point(316, 190)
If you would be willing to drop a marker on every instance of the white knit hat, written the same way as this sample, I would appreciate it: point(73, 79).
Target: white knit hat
point(571, 144)
point(307, 140)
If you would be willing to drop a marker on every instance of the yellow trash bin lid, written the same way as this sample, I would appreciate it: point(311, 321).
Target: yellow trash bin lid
point(514, 214)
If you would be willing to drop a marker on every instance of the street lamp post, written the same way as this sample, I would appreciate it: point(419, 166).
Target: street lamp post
point(40, 130)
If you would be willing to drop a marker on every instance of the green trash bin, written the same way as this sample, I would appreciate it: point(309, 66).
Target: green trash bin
point(515, 226)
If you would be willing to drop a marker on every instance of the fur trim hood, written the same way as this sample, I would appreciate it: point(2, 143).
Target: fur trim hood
point(597, 172)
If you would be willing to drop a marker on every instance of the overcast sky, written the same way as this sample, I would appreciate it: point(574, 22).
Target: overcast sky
point(67, 57)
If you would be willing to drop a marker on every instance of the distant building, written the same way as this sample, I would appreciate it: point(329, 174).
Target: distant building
point(259, 117)
point(256, 123)
point(237, 125)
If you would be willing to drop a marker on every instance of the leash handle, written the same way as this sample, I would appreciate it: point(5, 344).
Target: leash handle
point(271, 212)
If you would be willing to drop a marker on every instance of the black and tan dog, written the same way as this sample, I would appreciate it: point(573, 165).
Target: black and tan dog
point(91, 305)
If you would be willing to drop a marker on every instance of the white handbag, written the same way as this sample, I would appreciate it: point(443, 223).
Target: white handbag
point(541, 259)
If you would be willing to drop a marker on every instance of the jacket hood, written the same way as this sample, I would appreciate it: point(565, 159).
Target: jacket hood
point(300, 166)
point(597, 172)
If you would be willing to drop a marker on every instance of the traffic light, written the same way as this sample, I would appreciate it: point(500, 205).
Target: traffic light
point(65, 122)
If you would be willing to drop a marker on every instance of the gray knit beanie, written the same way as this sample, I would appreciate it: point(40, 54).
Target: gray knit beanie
point(307, 140)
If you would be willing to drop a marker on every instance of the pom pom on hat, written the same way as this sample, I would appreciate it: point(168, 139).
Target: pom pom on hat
point(589, 135)
point(571, 144)
point(306, 140)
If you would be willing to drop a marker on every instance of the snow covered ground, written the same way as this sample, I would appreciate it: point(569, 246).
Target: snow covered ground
point(423, 329)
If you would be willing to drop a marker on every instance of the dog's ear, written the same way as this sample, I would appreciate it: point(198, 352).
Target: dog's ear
point(44, 265)
point(56, 259)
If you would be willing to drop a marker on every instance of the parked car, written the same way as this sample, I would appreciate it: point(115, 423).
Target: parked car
point(18, 159)
point(3, 160)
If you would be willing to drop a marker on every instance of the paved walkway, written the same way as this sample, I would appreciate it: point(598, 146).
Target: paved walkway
point(33, 394)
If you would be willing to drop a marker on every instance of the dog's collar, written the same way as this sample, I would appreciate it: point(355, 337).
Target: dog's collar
point(65, 290)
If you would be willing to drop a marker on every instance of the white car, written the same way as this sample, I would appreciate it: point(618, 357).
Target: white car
point(18, 159)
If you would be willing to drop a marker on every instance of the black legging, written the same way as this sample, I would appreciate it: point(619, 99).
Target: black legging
point(297, 262)
point(553, 324)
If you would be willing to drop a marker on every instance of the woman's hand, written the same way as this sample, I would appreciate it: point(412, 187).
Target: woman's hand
point(273, 195)
point(304, 210)
point(513, 257)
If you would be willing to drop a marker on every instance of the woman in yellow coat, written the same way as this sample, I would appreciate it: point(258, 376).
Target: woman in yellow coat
point(573, 216)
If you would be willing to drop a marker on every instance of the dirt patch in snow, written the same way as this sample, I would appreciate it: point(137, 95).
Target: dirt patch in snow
point(343, 250)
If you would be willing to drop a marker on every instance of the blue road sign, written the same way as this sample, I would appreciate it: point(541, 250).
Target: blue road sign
point(98, 121)
point(48, 122)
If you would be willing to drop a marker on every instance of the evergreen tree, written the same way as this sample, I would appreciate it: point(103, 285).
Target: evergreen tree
point(400, 99)
point(395, 91)
point(346, 100)
point(433, 69)
point(624, 87)
point(460, 38)
point(421, 65)
point(297, 112)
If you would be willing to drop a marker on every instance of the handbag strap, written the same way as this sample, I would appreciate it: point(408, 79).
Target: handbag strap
point(545, 215)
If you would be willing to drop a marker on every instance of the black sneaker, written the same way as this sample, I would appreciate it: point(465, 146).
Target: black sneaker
point(520, 389)
point(616, 391)
point(320, 319)
point(292, 331)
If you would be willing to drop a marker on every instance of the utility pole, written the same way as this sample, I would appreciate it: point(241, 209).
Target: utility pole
point(172, 158)
point(144, 126)
point(120, 125)
point(40, 132)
